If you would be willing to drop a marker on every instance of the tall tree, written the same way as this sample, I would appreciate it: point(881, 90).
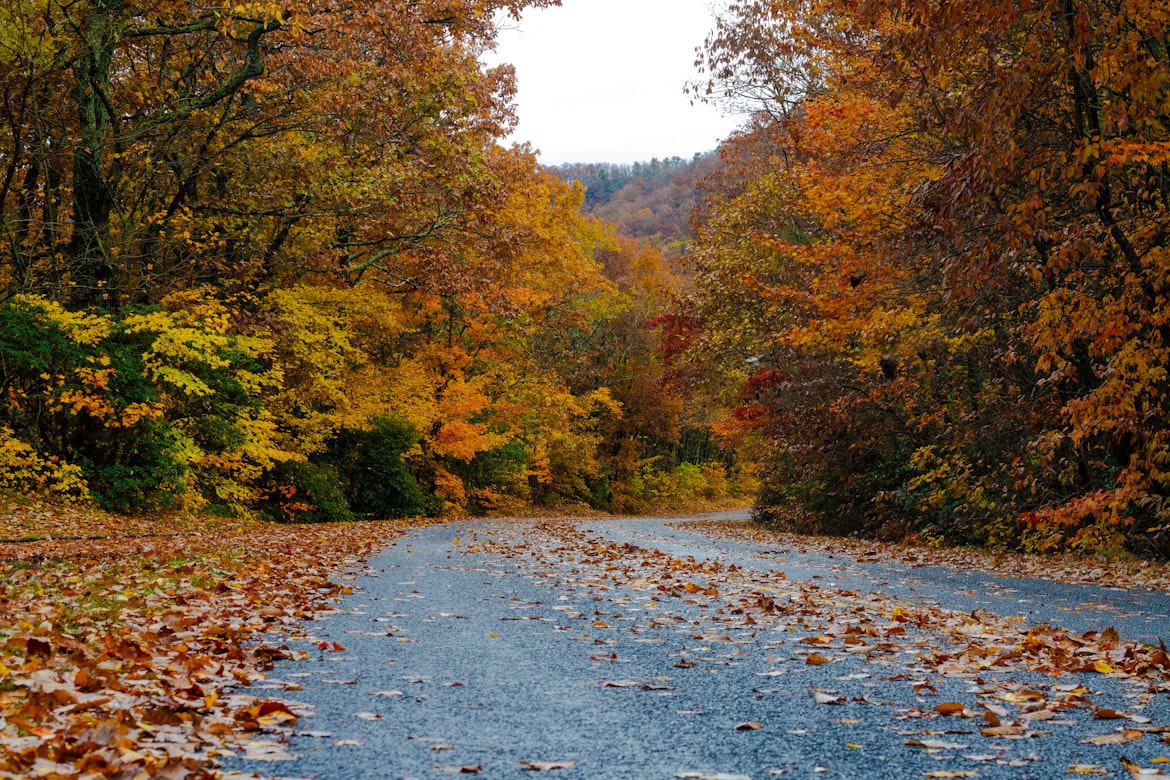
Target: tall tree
point(198, 143)
point(966, 219)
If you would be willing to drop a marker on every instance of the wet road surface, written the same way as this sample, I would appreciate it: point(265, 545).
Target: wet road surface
point(640, 648)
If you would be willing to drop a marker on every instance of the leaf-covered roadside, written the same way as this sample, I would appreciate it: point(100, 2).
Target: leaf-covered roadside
point(28, 519)
point(1125, 573)
point(116, 655)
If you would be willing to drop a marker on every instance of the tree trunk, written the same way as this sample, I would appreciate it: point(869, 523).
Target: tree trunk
point(93, 280)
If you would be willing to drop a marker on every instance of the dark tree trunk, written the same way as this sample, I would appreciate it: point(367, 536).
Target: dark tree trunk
point(92, 273)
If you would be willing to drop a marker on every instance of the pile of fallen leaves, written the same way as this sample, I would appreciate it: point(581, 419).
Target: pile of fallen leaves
point(124, 657)
point(29, 519)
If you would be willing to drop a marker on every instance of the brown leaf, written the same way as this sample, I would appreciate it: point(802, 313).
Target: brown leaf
point(38, 647)
point(1006, 732)
point(1038, 715)
point(936, 744)
point(1104, 713)
point(1119, 738)
point(546, 766)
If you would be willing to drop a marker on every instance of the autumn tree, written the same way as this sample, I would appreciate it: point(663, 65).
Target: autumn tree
point(238, 142)
point(950, 223)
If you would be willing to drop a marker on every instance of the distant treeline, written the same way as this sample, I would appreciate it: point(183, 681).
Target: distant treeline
point(651, 200)
point(602, 181)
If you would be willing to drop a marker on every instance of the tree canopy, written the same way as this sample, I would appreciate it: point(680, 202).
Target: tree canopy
point(246, 247)
point(934, 273)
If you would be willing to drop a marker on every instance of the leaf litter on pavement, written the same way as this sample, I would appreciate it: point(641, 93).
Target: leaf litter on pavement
point(131, 657)
point(127, 657)
point(1019, 682)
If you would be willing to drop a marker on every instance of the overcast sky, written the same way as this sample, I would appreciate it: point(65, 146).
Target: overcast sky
point(602, 80)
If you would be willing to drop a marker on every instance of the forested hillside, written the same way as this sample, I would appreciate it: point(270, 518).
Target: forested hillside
point(652, 201)
point(273, 258)
point(933, 276)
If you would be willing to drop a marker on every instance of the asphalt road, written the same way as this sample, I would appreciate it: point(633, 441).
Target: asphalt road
point(492, 648)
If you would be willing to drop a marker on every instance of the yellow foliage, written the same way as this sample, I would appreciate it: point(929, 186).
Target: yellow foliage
point(450, 489)
point(79, 327)
point(324, 339)
point(23, 468)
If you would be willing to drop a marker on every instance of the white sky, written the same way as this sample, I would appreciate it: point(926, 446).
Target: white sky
point(602, 80)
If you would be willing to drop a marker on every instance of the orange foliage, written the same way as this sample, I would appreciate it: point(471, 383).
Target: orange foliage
point(958, 220)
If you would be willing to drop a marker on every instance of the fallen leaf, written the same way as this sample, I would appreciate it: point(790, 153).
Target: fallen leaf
point(1038, 715)
point(1104, 713)
point(546, 766)
point(936, 744)
point(1005, 732)
point(265, 751)
point(1120, 738)
point(825, 697)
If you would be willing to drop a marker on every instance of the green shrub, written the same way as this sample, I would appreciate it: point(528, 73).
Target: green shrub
point(305, 492)
point(375, 478)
